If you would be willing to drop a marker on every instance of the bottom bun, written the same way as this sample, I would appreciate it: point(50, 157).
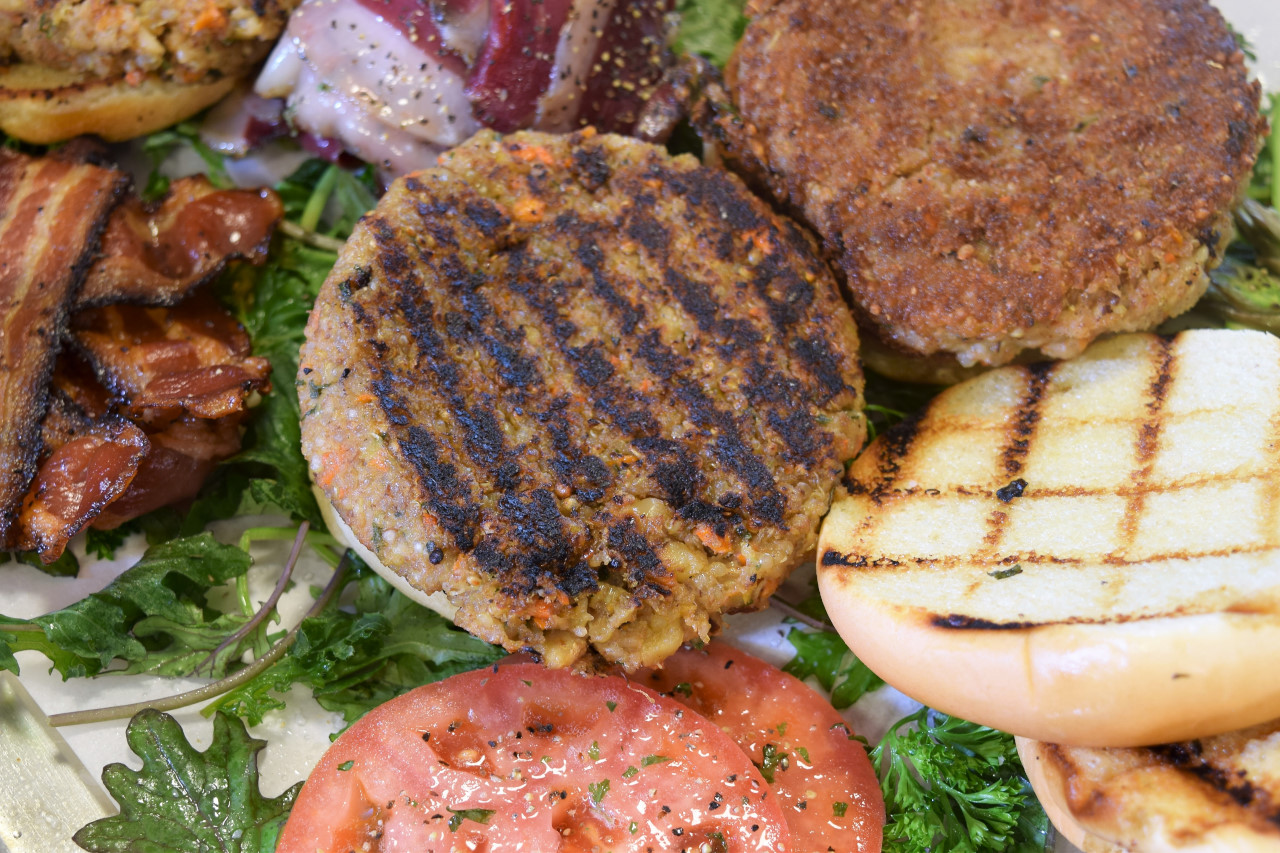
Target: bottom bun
point(1113, 684)
point(1209, 796)
point(43, 105)
point(436, 601)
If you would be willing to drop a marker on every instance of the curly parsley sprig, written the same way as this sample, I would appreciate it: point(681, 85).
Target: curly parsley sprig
point(953, 785)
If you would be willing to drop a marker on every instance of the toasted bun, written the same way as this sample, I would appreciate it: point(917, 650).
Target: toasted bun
point(436, 601)
point(1084, 553)
point(43, 105)
point(1219, 794)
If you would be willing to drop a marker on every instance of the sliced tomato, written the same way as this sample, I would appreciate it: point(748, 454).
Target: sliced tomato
point(820, 774)
point(523, 758)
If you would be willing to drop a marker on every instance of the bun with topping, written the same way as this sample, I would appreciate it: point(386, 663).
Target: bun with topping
point(121, 70)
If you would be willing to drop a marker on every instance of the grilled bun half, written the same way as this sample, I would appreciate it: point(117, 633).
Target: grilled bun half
point(1084, 552)
point(46, 105)
point(1216, 794)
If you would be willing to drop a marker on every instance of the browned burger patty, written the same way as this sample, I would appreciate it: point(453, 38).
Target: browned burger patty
point(992, 177)
point(597, 395)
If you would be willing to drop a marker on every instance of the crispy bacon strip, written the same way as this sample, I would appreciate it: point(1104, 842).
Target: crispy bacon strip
point(51, 214)
point(182, 455)
point(158, 254)
point(101, 470)
point(93, 467)
point(191, 358)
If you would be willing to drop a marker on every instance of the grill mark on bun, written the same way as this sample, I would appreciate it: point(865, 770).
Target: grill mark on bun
point(1189, 756)
point(1271, 485)
point(1022, 430)
point(1146, 449)
point(1214, 791)
point(893, 448)
point(1013, 457)
point(972, 623)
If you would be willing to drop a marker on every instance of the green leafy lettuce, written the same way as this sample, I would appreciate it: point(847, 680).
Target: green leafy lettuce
point(183, 799)
point(824, 656)
point(353, 660)
point(154, 613)
point(710, 28)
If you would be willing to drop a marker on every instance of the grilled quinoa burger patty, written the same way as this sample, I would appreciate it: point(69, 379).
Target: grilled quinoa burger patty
point(993, 177)
point(597, 395)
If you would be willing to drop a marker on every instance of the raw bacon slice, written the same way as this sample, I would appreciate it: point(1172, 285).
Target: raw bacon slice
point(157, 254)
point(192, 358)
point(52, 211)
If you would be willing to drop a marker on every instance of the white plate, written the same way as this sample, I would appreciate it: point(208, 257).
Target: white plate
point(300, 734)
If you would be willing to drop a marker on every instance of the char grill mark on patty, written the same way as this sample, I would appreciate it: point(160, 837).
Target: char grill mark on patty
point(645, 570)
point(546, 543)
point(628, 410)
point(483, 437)
point(586, 451)
point(593, 372)
point(590, 256)
point(584, 473)
point(624, 408)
